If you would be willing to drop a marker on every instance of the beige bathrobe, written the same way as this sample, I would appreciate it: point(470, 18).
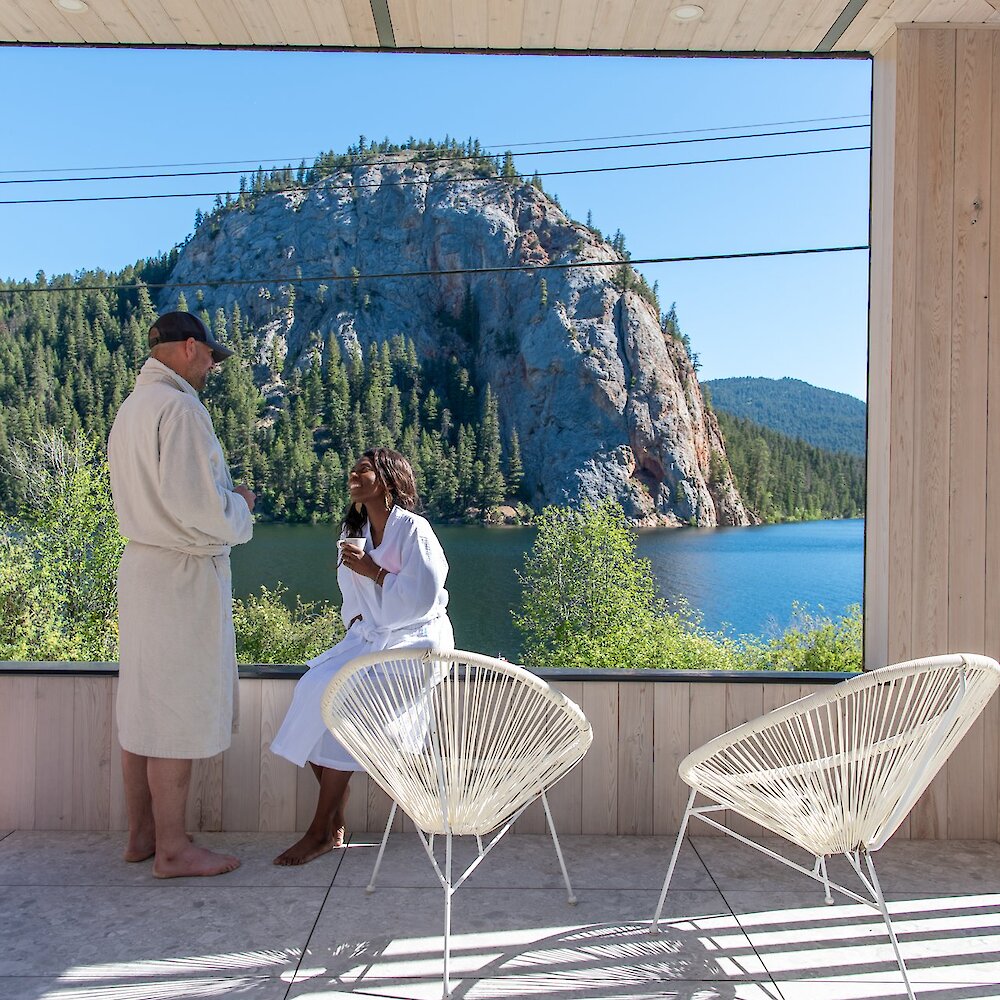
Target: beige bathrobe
point(177, 688)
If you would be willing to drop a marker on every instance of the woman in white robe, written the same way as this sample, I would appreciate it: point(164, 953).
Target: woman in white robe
point(394, 596)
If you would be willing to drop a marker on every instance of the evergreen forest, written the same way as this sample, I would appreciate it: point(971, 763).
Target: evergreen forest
point(70, 348)
point(785, 479)
point(830, 420)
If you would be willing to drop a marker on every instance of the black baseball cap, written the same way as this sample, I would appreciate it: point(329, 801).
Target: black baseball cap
point(173, 326)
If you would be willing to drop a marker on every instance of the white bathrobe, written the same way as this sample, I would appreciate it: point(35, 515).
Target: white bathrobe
point(407, 610)
point(177, 687)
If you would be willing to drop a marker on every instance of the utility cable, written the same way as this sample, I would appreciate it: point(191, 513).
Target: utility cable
point(435, 180)
point(434, 159)
point(441, 273)
point(281, 160)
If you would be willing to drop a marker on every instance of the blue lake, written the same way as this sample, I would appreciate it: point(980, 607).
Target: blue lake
point(746, 579)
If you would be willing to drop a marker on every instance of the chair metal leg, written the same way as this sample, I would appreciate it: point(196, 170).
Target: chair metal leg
point(447, 915)
point(673, 861)
point(821, 863)
point(880, 901)
point(370, 888)
point(570, 896)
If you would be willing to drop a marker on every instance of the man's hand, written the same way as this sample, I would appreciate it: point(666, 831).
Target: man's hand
point(247, 494)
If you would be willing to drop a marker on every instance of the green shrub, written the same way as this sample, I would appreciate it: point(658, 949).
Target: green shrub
point(588, 601)
point(267, 631)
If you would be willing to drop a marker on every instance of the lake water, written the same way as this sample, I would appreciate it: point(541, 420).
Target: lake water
point(744, 578)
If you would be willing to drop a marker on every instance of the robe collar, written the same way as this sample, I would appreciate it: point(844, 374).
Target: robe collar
point(154, 371)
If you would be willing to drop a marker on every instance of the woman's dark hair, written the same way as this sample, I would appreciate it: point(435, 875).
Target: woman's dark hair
point(395, 474)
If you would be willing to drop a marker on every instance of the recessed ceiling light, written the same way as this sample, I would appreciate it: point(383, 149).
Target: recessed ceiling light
point(687, 12)
point(72, 6)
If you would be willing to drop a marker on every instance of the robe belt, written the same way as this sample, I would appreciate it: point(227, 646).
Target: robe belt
point(191, 550)
point(374, 634)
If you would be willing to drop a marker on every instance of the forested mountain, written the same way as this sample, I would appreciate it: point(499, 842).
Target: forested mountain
point(500, 385)
point(830, 420)
point(785, 479)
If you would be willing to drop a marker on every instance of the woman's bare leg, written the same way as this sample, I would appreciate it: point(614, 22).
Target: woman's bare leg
point(326, 830)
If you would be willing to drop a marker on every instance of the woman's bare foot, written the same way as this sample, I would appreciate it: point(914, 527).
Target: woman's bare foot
point(309, 848)
point(193, 862)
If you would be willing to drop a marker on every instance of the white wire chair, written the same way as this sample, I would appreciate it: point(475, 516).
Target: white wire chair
point(463, 743)
point(838, 771)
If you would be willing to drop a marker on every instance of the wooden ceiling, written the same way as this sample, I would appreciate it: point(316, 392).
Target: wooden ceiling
point(568, 26)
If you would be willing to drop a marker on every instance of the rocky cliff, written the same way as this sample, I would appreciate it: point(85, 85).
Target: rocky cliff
point(604, 403)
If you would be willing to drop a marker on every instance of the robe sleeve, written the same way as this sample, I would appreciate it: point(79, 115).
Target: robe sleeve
point(194, 480)
point(413, 593)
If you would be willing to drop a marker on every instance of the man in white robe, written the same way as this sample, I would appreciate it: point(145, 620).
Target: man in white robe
point(177, 506)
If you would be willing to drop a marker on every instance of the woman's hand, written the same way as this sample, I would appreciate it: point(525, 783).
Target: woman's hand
point(359, 562)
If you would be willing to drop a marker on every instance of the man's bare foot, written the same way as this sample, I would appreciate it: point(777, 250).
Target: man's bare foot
point(309, 848)
point(141, 847)
point(194, 862)
point(139, 850)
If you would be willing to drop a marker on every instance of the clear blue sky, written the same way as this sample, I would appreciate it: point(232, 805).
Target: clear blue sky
point(805, 317)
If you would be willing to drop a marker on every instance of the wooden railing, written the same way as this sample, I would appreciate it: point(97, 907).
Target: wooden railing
point(59, 766)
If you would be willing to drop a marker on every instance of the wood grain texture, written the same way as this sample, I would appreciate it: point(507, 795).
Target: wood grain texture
point(991, 638)
point(277, 775)
point(241, 764)
point(566, 796)
point(118, 818)
point(707, 720)
point(92, 712)
point(54, 754)
point(968, 394)
point(635, 759)
point(504, 23)
point(18, 718)
point(671, 744)
point(576, 24)
point(204, 805)
point(932, 372)
point(599, 769)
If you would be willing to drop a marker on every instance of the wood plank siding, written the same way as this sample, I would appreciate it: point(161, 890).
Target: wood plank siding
point(932, 549)
point(61, 760)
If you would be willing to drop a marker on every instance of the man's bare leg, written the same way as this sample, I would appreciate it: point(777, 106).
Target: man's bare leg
point(138, 807)
point(326, 831)
point(176, 856)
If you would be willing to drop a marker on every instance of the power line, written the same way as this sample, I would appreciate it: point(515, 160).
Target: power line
point(442, 180)
point(439, 273)
point(440, 158)
point(251, 164)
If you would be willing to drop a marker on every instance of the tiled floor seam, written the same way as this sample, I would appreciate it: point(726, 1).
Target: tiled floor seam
point(315, 923)
point(777, 989)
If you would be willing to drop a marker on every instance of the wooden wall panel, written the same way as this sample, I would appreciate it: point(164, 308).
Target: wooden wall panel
point(118, 818)
point(54, 754)
point(627, 784)
point(939, 269)
point(671, 744)
point(707, 707)
point(277, 775)
point(635, 758)
point(969, 371)
point(92, 712)
point(900, 332)
point(18, 716)
point(204, 807)
point(599, 769)
point(991, 547)
point(241, 764)
point(566, 798)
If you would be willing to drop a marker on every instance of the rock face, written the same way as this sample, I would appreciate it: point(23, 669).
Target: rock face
point(605, 405)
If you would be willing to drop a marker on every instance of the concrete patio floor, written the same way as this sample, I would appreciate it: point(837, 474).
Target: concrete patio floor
point(76, 923)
